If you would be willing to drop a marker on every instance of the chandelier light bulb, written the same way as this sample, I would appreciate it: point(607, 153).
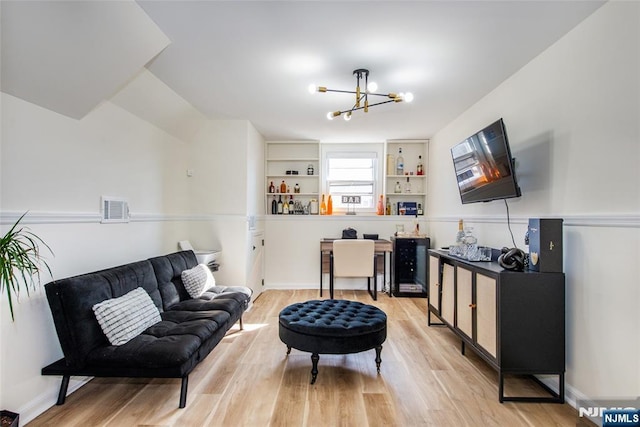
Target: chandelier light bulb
point(372, 87)
point(312, 88)
point(330, 115)
point(408, 97)
point(347, 116)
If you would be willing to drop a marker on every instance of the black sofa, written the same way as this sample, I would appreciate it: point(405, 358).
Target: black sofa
point(189, 328)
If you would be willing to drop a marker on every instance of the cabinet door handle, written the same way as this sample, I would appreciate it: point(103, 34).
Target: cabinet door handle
point(473, 305)
point(437, 284)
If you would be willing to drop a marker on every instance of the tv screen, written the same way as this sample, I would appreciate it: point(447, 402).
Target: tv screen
point(484, 167)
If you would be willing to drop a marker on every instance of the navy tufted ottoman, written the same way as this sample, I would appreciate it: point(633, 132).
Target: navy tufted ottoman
point(332, 327)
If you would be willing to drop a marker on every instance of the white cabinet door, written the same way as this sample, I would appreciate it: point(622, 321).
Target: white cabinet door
point(256, 264)
point(486, 313)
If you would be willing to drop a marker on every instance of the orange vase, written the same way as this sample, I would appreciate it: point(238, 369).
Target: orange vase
point(329, 206)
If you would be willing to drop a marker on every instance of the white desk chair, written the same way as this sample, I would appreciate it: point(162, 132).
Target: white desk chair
point(354, 258)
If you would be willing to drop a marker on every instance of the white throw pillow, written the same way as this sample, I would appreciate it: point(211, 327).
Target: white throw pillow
point(126, 317)
point(197, 280)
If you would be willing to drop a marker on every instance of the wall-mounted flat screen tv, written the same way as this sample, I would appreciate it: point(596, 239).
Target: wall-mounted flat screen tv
point(484, 166)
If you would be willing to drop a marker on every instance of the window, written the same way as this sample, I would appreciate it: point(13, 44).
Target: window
point(352, 170)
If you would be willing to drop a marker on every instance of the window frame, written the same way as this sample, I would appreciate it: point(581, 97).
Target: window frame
point(374, 151)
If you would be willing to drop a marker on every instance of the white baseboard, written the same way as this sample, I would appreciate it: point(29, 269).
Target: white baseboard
point(43, 402)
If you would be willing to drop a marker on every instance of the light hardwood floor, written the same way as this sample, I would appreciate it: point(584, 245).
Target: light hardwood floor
point(248, 380)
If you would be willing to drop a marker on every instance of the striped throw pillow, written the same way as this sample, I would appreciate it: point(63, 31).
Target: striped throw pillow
point(126, 317)
point(197, 279)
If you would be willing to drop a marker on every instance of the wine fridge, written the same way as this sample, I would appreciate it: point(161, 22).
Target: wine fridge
point(409, 266)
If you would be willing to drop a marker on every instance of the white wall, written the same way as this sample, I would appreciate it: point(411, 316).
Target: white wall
point(225, 190)
point(572, 117)
point(255, 172)
point(292, 246)
point(57, 168)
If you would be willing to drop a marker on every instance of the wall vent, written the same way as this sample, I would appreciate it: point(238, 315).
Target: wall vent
point(114, 210)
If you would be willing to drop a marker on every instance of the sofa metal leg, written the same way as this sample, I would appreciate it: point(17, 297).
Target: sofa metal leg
point(62, 394)
point(183, 392)
point(241, 325)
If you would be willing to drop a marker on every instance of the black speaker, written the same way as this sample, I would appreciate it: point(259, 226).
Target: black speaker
point(545, 245)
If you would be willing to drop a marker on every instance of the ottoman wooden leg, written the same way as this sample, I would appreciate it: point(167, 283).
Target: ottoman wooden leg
point(378, 359)
point(288, 350)
point(314, 368)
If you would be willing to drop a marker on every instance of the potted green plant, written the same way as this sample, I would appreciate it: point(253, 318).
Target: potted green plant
point(20, 264)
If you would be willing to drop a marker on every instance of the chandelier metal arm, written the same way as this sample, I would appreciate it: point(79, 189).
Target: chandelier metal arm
point(370, 105)
point(340, 91)
point(353, 92)
point(362, 95)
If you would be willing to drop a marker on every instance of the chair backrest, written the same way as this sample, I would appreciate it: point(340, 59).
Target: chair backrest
point(353, 258)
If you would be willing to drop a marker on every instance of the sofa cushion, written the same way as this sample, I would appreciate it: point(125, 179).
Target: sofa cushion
point(197, 279)
point(177, 342)
point(168, 270)
point(230, 303)
point(71, 301)
point(127, 316)
point(225, 291)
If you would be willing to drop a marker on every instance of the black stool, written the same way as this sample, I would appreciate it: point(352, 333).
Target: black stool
point(332, 327)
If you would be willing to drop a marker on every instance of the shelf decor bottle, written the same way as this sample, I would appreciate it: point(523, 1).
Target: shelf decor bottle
point(323, 207)
point(280, 206)
point(400, 163)
point(329, 206)
point(272, 188)
point(407, 186)
point(388, 208)
point(391, 164)
point(457, 249)
point(285, 208)
point(419, 169)
point(296, 188)
point(283, 187)
point(397, 188)
point(460, 235)
point(310, 169)
point(380, 209)
point(274, 206)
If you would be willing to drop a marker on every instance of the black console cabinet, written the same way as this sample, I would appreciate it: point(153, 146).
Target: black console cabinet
point(409, 266)
point(515, 321)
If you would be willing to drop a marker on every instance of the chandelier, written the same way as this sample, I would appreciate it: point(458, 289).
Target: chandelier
point(362, 95)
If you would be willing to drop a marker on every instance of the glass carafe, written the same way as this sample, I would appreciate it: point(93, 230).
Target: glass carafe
point(470, 245)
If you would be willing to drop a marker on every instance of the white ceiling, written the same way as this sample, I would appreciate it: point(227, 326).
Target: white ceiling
point(69, 56)
point(254, 60)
